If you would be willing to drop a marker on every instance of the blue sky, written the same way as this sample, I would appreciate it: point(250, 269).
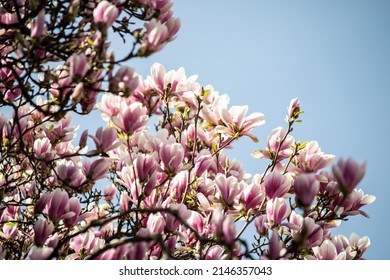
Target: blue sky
point(333, 55)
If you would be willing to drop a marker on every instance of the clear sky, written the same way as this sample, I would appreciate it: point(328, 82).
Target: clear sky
point(333, 55)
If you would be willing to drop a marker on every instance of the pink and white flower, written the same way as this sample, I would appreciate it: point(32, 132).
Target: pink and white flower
point(131, 118)
point(348, 174)
point(312, 159)
point(105, 13)
point(277, 210)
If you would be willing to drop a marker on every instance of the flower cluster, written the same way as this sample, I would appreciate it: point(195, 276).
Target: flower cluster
point(58, 50)
point(173, 191)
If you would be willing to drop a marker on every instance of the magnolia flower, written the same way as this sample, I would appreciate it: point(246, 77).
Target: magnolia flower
point(156, 35)
point(98, 169)
point(177, 81)
point(70, 174)
point(124, 202)
point(202, 164)
point(351, 205)
point(277, 210)
point(275, 145)
point(106, 13)
point(348, 174)
point(172, 156)
point(172, 223)
point(312, 159)
point(125, 81)
point(39, 253)
point(229, 230)
point(215, 252)
point(38, 25)
point(85, 242)
point(229, 188)
point(252, 196)
point(42, 230)
point(43, 149)
point(235, 124)
point(197, 221)
point(306, 188)
point(276, 185)
point(294, 108)
point(276, 248)
point(109, 192)
point(110, 105)
point(104, 139)
point(261, 224)
point(54, 205)
point(78, 66)
point(155, 223)
point(131, 118)
point(327, 251)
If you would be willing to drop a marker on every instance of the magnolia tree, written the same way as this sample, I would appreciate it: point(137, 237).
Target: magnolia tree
point(173, 192)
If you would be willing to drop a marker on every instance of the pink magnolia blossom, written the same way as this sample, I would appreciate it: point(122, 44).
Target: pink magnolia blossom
point(38, 25)
point(327, 251)
point(110, 105)
point(215, 252)
point(124, 202)
point(312, 159)
point(172, 222)
point(306, 188)
point(78, 66)
point(98, 169)
point(277, 210)
point(105, 139)
point(63, 86)
point(74, 207)
point(8, 18)
point(125, 81)
point(172, 156)
point(261, 224)
point(235, 123)
point(157, 35)
point(43, 148)
point(252, 196)
point(276, 248)
point(294, 108)
point(106, 13)
point(85, 243)
point(275, 145)
point(197, 221)
point(359, 244)
point(351, 205)
point(311, 232)
point(348, 174)
point(10, 231)
point(145, 167)
point(228, 188)
point(69, 173)
point(229, 230)
point(39, 253)
point(131, 118)
point(212, 113)
point(156, 223)
point(54, 204)
point(177, 81)
point(42, 230)
point(109, 192)
point(202, 164)
point(276, 185)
